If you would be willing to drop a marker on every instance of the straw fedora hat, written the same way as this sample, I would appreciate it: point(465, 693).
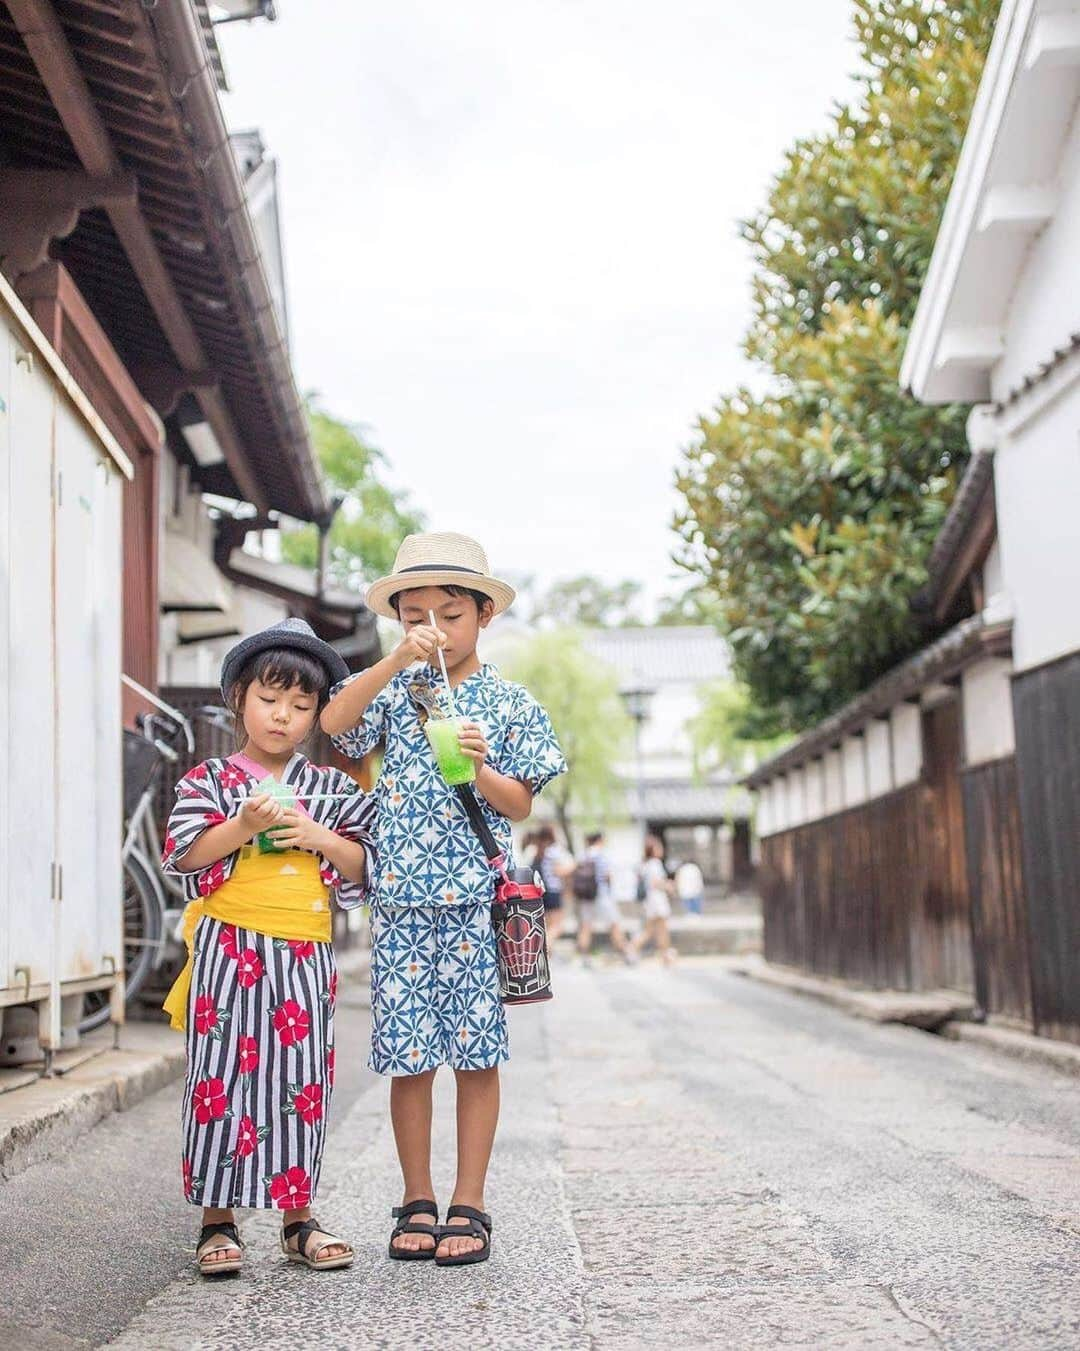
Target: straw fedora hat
point(438, 560)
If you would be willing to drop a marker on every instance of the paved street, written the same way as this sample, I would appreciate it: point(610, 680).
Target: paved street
point(687, 1159)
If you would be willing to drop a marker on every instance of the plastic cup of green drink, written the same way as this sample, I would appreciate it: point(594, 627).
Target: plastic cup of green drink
point(456, 767)
point(284, 794)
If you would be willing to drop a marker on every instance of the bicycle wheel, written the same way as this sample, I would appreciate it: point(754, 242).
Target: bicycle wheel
point(142, 933)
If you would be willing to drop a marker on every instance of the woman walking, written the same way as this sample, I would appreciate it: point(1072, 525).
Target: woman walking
point(658, 891)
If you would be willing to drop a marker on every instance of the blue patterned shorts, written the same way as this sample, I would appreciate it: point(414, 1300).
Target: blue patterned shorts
point(435, 989)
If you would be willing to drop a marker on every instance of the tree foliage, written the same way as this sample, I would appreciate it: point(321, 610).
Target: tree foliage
point(590, 602)
point(581, 696)
point(809, 510)
point(728, 731)
point(373, 519)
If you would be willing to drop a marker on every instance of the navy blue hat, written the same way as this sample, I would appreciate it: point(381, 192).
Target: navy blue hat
point(295, 635)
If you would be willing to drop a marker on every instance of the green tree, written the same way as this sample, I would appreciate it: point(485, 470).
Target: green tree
point(582, 697)
point(809, 511)
point(373, 518)
point(590, 602)
point(728, 731)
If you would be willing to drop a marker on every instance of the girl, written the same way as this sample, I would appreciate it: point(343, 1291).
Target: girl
point(657, 902)
point(257, 995)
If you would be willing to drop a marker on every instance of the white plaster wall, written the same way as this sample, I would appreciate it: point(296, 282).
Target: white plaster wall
point(988, 715)
point(796, 797)
point(815, 790)
point(763, 815)
point(781, 818)
point(834, 781)
point(906, 722)
point(879, 773)
point(1037, 471)
point(1046, 301)
point(853, 753)
point(993, 577)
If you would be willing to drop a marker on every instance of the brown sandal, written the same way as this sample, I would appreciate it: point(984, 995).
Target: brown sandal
point(204, 1247)
point(307, 1248)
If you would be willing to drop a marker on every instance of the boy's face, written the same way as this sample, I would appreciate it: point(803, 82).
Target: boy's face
point(457, 616)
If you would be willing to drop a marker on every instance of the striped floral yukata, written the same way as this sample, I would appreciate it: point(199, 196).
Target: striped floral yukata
point(260, 1016)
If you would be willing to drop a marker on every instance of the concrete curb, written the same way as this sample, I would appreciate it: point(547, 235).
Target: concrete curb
point(708, 935)
point(48, 1116)
point(1061, 1056)
point(929, 1009)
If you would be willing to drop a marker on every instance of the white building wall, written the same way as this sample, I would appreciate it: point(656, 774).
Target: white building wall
point(834, 781)
point(853, 754)
point(763, 814)
point(796, 797)
point(879, 775)
point(815, 790)
point(906, 722)
point(988, 714)
point(781, 815)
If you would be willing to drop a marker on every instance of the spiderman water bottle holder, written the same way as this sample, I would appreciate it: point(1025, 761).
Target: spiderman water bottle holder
point(517, 916)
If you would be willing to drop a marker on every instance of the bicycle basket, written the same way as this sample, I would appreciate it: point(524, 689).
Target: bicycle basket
point(141, 758)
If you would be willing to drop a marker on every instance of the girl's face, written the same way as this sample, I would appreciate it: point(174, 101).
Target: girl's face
point(457, 616)
point(278, 720)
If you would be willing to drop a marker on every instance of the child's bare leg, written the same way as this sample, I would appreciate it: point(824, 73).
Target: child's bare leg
point(663, 941)
point(220, 1215)
point(410, 1112)
point(477, 1117)
point(553, 926)
point(584, 938)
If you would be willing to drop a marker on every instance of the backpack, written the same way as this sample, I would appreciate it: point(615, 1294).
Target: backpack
point(584, 882)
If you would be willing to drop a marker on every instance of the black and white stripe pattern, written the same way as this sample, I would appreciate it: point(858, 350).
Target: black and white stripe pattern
point(253, 1128)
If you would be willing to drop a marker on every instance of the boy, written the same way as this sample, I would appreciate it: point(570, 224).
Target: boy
point(434, 977)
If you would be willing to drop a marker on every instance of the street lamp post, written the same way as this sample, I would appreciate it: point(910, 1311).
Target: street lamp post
point(638, 700)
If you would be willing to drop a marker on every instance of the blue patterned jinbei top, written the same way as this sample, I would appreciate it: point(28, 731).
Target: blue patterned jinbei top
point(427, 853)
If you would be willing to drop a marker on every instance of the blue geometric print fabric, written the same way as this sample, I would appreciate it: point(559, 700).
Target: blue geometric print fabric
point(427, 854)
point(435, 990)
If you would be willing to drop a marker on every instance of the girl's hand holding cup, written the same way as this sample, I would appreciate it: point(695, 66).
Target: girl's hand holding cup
point(419, 644)
point(260, 812)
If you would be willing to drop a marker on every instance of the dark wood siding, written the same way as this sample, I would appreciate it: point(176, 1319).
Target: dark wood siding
point(878, 894)
point(998, 909)
point(1046, 709)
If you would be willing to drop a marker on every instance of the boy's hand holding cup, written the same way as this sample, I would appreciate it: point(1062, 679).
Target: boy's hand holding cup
point(472, 741)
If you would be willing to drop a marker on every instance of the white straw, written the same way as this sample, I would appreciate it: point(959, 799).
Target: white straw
point(442, 667)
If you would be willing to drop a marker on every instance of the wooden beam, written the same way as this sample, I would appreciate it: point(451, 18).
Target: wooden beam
point(40, 205)
point(47, 44)
point(970, 347)
point(1017, 208)
point(1054, 43)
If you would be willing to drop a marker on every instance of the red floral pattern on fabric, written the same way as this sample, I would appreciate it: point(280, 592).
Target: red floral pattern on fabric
point(168, 849)
point(332, 991)
point(206, 1014)
point(302, 949)
point(291, 1190)
point(249, 968)
point(308, 1103)
point(247, 1054)
point(330, 1067)
point(211, 878)
point(215, 819)
point(197, 772)
point(291, 1022)
point(247, 1137)
point(209, 1100)
point(185, 1169)
point(231, 777)
point(227, 940)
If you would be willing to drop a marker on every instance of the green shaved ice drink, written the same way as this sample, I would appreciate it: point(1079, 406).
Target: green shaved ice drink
point(284, 794)
point(456, 767)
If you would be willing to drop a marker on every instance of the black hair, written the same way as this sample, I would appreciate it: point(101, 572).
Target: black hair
point(451, 589)
point(594, 837)
point(281, 668)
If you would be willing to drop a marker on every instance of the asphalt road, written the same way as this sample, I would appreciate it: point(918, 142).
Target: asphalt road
point(686, 1159)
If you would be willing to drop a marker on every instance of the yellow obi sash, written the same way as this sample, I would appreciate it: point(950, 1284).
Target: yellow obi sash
point(277, 894)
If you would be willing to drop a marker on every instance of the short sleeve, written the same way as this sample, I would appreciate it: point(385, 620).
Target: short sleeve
point(198, 806)
point(354, 820)
point(531, 751)
point(370, 731)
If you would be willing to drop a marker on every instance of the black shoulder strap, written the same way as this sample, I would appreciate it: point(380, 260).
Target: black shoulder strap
point(481, 829)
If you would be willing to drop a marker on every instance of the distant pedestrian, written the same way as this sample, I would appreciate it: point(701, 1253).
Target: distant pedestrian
point(690, 887)
point(596, 906)
point(554, 864)
point(657, 901)
point(262, 841)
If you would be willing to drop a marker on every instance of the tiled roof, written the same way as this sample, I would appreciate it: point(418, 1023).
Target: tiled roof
point(686, 653)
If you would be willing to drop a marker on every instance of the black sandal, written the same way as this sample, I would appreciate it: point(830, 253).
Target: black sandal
point(405, 1226)
point(479, 1226)
point(218, 1267)
point(304, 1232)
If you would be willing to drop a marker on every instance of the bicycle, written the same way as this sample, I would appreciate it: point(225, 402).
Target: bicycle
point(153, 903)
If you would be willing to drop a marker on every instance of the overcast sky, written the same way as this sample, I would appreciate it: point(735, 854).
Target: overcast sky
point(510, 240)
